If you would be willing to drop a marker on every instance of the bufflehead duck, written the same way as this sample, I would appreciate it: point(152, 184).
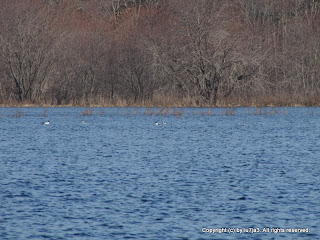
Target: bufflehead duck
point(47, 122)
point(164, 123)
point(157, 123)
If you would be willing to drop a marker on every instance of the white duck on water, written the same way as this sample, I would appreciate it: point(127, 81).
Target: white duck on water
point(159, 123)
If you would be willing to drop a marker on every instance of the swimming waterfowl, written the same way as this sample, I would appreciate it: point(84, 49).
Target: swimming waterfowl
point(47, 122)
point(157, 123)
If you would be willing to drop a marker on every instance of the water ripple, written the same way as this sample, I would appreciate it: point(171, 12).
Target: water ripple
point(119, 177)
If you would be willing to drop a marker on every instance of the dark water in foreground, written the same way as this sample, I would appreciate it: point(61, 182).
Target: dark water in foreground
point(119, 176)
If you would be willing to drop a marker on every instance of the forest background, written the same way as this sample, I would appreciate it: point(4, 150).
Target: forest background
point(160, 52)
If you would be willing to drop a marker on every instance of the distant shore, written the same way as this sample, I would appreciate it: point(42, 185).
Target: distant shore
point(159, 53)
point(153, 106)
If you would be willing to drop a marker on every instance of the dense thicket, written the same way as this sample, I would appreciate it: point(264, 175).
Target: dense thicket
point(160, 52)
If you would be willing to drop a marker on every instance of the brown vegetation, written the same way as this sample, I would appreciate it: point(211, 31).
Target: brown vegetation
point(18, 114)
point(87, 112)
point(160, 53)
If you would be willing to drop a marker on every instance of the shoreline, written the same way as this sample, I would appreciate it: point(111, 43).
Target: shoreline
point(153, 106)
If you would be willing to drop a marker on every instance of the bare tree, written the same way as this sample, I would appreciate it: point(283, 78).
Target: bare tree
point(28, 47)
point(208, 52)
point(203, 52)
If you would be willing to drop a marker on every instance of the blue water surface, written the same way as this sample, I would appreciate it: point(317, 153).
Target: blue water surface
point(121, 176)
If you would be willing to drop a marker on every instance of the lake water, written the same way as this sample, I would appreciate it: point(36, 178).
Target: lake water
point(121, 176)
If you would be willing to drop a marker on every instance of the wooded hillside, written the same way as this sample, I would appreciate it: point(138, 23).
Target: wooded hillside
point(160, 52)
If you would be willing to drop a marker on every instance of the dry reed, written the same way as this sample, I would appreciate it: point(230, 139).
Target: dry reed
point(136, 111)
point(269, 111)
point(18, 114)
point(87, 112)
point(209, 112)
point(178, 113)
point(260, 111)
point(101, 113)
point(164, 111)
point(148, 111)
point(230, 111)
point(45, 112)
